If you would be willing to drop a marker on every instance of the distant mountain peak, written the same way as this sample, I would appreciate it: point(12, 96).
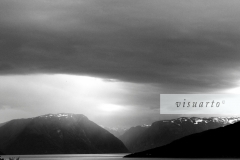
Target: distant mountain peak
point(116, 131)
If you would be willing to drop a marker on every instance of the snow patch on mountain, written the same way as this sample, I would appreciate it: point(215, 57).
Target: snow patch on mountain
point(62, 115)
point(146, 125)
point(197, 120)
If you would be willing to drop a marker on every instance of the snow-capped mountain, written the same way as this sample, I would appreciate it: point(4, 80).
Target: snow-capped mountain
point(219, 143)
point(163, 132)
point(57, 134)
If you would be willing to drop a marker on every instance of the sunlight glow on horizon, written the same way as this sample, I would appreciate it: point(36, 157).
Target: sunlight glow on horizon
point(40, 94)
point(110, 108)
point(108, 102)
point(235, 90)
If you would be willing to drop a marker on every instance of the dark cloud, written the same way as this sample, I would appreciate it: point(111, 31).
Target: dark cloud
point(183, 46)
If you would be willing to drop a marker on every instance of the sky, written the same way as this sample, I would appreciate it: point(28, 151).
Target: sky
point(111, 59)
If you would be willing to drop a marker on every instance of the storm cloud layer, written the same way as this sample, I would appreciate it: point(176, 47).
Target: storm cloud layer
point(185, 44)
point(139, 48)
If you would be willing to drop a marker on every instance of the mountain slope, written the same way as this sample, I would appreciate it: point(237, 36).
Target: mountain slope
point(1, 153)
point(1, 124)
point(117, 132)
point(163, 132)
point(57, 134)
point(131, 136)
point(215, 143)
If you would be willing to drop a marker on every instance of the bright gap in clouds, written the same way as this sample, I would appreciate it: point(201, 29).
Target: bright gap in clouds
point(103, 101)
point(235, 90)
point(110, 108)
point(33, 95)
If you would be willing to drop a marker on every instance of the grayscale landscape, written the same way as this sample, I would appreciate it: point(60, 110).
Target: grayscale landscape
point(82, 79)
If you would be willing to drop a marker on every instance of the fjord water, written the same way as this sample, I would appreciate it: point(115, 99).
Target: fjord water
point(69, 157)
point(74, 157)
point(87, 157)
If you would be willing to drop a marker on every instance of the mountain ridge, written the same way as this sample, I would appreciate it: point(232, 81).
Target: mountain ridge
point(57, 134)
point(116, 131)
point(214, 143)
point(165, 131)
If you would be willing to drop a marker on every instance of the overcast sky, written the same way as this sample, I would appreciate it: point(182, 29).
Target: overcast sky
point(110, 59)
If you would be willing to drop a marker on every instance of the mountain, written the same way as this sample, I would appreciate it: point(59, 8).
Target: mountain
point(215, 143)
point(160, 133)
point(1, 124)
point(116, 131)
point(57, 134)
point(132, 136)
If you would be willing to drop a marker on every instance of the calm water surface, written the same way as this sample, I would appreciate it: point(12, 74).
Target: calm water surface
point(86, 157)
